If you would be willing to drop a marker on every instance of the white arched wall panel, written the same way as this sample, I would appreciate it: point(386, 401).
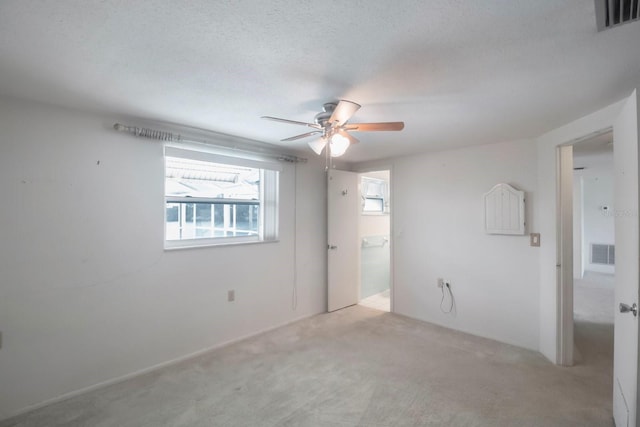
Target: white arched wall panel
point(504, 210)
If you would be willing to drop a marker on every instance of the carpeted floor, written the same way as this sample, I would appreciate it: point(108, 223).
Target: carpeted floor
point(593, 298)
point(594, 311)
point(381, 301)
point(354, 367)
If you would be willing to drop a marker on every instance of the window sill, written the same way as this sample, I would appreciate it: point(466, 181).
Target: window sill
point(176, 245)
point(375, 213)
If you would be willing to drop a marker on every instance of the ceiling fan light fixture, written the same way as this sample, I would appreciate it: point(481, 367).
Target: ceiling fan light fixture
point(318, 145)
point(333, 124)
point(339, 145)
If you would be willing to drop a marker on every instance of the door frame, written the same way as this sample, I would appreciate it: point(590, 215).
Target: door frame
point(564, 252)
point(387, 167)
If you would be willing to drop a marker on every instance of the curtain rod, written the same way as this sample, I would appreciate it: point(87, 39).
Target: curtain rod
point(161, 135)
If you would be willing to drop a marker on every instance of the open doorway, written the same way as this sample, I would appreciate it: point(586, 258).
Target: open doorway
point(375, 240)
point(594, 252)
point(624, 381)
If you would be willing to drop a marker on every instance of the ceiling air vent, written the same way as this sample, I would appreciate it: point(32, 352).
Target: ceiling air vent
point(612, 13)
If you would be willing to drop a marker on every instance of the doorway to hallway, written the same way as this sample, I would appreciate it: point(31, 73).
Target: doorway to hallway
point(594, 254)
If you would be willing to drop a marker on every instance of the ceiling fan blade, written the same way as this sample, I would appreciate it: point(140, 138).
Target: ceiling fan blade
point(304, 135)
point(368, 127)
point(352, 139)
point(292, 122)
point(343, 112)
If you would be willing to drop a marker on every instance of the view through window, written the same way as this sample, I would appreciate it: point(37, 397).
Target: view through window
point(213, 203)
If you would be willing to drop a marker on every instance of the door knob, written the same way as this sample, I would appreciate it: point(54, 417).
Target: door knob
point(624, 308)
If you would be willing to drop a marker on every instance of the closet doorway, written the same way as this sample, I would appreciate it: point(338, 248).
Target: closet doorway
point(375, 239)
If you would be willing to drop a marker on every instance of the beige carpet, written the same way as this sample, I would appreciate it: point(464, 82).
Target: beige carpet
point(354, 367)
point(381, 301)
point(593, 298)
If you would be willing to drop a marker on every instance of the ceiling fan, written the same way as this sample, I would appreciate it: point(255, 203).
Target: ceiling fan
point(333, 125)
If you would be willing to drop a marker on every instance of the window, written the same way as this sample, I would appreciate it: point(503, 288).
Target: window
point(212, 199)
point(374, 196)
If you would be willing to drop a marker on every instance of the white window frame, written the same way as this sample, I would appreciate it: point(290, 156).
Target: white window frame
point(383, 197)
point(268, 202)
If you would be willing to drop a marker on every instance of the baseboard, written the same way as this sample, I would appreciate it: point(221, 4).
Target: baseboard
point(472, 333)
point(155, 367)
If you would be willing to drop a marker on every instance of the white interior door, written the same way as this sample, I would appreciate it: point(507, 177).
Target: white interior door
point(625, 363)
point(343, 203)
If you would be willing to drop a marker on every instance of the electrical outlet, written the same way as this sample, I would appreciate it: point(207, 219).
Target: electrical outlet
point(231, 296)
point(440, 282)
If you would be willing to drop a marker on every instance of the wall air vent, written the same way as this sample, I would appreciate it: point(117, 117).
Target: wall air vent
point(612, 13)
point(603, 254)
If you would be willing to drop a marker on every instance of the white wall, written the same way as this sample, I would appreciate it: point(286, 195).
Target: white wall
point(598, 225)
point(87, 293)
point(438, 223)
point(578, 228)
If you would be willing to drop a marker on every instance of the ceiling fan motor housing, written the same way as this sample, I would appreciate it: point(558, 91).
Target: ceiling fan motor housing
point(327, 111)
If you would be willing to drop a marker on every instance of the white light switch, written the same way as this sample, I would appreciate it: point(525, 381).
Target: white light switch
point(534, 239)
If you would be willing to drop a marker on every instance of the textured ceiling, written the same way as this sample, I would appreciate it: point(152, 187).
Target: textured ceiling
point(458, 73)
